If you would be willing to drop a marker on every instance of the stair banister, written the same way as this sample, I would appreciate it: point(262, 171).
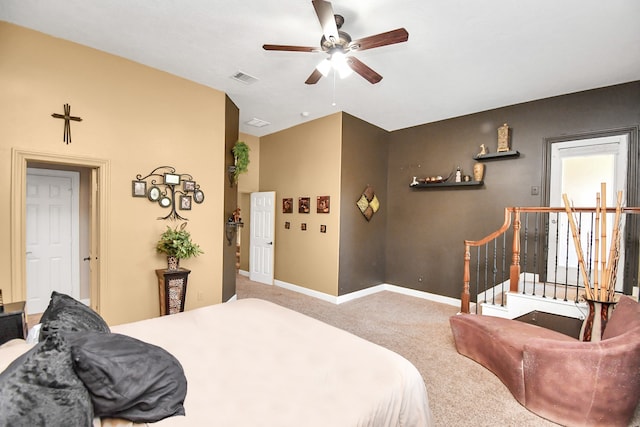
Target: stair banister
point(515, 268)
point(465, 297)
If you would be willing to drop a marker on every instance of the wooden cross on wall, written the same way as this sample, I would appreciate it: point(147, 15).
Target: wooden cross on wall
point(67, 124)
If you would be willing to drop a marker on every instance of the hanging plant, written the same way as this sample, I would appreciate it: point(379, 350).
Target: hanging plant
point(241, 156)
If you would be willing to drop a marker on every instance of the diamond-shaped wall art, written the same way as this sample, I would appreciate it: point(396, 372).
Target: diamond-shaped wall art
point(368, 203)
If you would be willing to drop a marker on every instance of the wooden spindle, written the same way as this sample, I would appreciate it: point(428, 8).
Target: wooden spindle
point(464, 298)
point(514, 271)
point(596, 249)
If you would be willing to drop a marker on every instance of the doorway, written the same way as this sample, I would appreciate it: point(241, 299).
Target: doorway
point(261, 245)
point(96, 174)
point(576, 165)
point(54, 236)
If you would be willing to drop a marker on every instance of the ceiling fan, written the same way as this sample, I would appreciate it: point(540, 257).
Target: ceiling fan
point(339, 45)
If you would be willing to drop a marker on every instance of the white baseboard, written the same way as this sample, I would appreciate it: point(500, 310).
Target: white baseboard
point(368, 291)
point(361, 293)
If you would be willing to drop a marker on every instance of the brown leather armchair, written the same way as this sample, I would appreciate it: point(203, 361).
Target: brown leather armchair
point(558, 377)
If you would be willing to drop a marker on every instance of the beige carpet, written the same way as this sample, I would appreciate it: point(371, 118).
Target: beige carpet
point(461, 392)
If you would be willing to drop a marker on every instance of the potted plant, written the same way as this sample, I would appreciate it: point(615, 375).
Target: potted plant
point(176, 244)
point(241, 156)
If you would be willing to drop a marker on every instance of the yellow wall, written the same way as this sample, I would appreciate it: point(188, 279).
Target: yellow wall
point(304, 161)
point(136, 118)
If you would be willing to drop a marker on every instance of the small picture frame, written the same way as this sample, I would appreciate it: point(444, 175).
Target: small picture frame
point(287, 205)
point(139, 188)
point(322, 204)
point(154, 194)
point(189, 185)
point(304, 205)
point(198, 196)
point(303, 226)
point(287, 225)
point(185, 203)
point(323, 228)
point(171, 179)
point(165, 202)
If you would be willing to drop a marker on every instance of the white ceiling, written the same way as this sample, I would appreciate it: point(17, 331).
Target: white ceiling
point(462, 56)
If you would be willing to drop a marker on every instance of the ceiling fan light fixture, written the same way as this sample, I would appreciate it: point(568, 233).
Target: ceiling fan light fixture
point(324, 67)
point(339, 64)
point(344, 71)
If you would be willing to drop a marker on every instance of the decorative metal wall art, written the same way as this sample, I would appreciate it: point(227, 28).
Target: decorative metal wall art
point(169, 189)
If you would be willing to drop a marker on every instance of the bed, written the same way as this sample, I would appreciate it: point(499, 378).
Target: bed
point(251, 362)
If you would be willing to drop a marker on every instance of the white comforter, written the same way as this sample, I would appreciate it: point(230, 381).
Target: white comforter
point(253, 363)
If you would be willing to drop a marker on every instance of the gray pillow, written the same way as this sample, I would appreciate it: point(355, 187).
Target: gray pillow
point(40, 388)
point(65, 314)
point(128, 378)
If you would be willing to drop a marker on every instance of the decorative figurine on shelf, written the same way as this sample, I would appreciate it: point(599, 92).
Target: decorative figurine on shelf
point(458, 174)
point(415, 181)
point(503, 138)
point(483, 150)
point(236, 215)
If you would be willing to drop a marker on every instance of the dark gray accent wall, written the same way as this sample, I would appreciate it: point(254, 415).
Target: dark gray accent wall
point(362, 243)
point(426, 228)
point(232, 124)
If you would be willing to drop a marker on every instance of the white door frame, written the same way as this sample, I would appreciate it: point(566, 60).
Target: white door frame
point(615, 146)
point(74, 261)
point(99, 217)
point(629, 271)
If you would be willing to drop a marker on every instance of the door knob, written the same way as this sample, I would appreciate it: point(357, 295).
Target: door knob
point(269, 243)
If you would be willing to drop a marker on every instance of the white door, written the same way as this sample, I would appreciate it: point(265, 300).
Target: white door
point(52, 210)
point(577, 169)
point(261, 247)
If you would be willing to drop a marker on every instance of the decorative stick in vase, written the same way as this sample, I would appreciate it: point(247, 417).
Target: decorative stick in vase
point(576, 242)
point(614, 252)
point(596, 250)
point(603, 228)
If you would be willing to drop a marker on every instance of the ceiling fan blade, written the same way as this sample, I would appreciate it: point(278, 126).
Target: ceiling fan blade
point(366, 72)
point(390, 37)
point(314, 77)
point(290, 48)
point(324, 10)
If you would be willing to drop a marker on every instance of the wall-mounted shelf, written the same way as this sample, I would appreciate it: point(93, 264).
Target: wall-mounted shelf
point(447, 184)
point(496, 156)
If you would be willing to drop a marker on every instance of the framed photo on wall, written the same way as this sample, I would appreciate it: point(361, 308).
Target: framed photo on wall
point(154, 194)
point(139, 188)
point(304, 204)
point(287, 205)
point(198, 196)
point(322, 204)
point(185, 203)
point(189, 185)
point(171, 179)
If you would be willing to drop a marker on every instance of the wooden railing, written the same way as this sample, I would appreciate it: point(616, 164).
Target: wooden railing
point(513, 221)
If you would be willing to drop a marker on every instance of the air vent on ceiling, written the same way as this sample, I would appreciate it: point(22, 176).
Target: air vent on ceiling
point(258, 123)
point(244, 78)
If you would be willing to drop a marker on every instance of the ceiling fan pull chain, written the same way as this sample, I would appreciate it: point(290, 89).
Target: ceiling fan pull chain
point(334, 89)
